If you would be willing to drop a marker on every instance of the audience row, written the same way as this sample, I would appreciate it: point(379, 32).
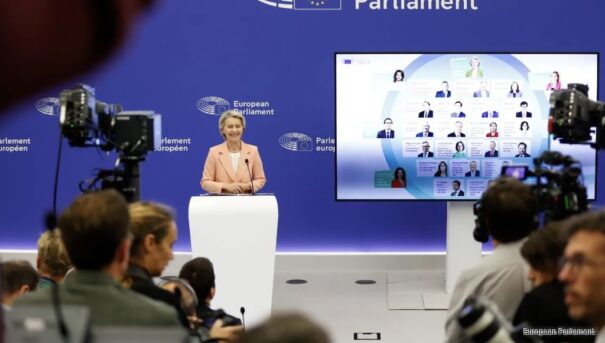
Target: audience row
point(105, 255)
point(107, 252)
point(547, 280)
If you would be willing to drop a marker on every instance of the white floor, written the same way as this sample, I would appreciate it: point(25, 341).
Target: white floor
point(343, 307)
point(406, 304)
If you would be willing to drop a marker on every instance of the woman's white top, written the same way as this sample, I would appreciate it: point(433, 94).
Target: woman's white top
point(235, 160)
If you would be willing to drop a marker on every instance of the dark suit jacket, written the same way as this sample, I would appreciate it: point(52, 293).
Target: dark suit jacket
point(422, 154)
point(520, 114)
point(486, 114)
point(453, 134)
point(441, 94)
point(458, 115)
point(421, 134)
point(383, 134)
point(208, 315)
point(477, 94)
point(526, 155)
point(468, 173)
point(487, 154)
point(460, 193)
point(421, 114)
point(544, 307)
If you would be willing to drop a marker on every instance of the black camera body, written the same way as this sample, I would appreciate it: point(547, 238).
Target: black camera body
point(87, 122)
point(83, 119)
point(558, 187)
point(480, 232)
point(136, 133)
point(563, 194)
point(572, 115)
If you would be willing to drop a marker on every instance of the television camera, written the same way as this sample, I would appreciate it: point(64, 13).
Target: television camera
point(572, 115)
point(482, 321)
point(559, 185)
point(87, 122)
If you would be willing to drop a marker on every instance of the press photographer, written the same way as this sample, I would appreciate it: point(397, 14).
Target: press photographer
point(508, 214)
point(560, 193)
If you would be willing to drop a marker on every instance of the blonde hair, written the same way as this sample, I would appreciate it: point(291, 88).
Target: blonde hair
point(148, 218)
point(52, 254)
point(230, 114)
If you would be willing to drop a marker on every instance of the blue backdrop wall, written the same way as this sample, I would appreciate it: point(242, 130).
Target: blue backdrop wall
point(278, 54)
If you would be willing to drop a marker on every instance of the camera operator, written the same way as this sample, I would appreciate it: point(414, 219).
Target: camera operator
point(95, 232)
point(509, 213)
point(583, 270)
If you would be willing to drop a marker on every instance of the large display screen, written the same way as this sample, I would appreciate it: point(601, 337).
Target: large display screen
point(441, 126)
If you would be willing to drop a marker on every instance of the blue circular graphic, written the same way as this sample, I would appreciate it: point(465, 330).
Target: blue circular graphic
point(447, 67)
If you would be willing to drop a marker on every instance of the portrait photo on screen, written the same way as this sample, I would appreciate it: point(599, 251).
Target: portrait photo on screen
point(440, 126)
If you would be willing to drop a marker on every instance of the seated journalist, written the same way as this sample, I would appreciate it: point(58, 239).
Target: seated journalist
point(154, 230)
point(226, 167)
point(217, 332)
point(95, 232)
point(199, 272)
point(52, 261)
point(182, 290)
point(544, 306)
point(154, 233)
point(17, 277)
point(583, 272)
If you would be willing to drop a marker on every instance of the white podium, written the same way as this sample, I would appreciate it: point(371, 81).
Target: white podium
point(239, 235)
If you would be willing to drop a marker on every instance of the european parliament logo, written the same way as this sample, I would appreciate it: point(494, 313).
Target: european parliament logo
point(305, 4)
point(213, 105)
point(295, 141)
point(48, 106)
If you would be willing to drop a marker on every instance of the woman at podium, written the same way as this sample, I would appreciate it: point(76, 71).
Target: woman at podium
point(233, 167)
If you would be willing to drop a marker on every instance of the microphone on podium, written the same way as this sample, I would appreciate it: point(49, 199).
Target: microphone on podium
point(242, 310)
point(251, 183)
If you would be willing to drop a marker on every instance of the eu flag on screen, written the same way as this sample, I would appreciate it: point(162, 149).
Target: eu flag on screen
point(317, 4)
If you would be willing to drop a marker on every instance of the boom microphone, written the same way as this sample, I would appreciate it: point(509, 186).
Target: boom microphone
point(250, 174)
